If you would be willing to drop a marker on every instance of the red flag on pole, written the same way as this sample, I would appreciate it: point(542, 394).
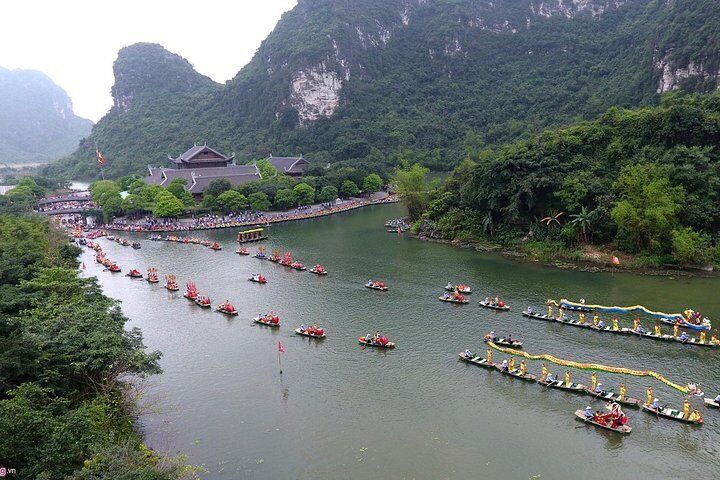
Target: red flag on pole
point(281, 349)
point(100, 158)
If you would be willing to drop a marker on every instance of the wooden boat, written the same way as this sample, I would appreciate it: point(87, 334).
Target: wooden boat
point(114, 268)
point(614, 397)
point(136, 245)
point(480, 362)
point(226, 312)
point(202, 304)
point(503, 342)
point(265, 321)
point(316, 271)
point(624, 429)
point(574, 308)
point(485, 304)
point(308, 334)
point(374, 344)
point(453, 300)
point(260, 256)
point(134, 274)
point(538, 316)
point(561, 385)
point(257, 279)
point(670, 413)
point(297, 266)
point(172, 288)
point(190, 296)
point(242, 251)
point(216, 246)
point(153, 280)
point(515, 372)
point(376, 287)
point(711, 403)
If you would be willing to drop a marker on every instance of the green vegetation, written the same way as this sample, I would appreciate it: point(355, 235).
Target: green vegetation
point(66, 407)
point(411, 184)
point(643, 181)
point(458, 75)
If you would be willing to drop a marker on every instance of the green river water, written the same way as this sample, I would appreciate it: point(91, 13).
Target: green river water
point(339, 411)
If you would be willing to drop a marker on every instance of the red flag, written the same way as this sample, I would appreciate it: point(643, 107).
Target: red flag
point(615, 260)
point(100, 158)
point(281, 349)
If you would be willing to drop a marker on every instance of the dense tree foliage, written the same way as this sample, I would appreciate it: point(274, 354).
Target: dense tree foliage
point(647, 180)
point(64, 404)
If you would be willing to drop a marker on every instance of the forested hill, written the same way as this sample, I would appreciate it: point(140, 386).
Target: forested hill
point(377, 80)
point(37, 123)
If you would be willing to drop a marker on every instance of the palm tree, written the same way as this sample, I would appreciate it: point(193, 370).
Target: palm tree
point(584, 221)
point(552, 220)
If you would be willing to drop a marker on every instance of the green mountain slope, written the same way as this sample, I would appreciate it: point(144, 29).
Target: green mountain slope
point(37, 123)
point(374, 81)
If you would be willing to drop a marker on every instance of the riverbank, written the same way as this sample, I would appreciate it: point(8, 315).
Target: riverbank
point(265, 218)
point(589, 258)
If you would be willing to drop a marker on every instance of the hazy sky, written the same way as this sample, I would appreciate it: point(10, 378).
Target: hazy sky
point(76, 41)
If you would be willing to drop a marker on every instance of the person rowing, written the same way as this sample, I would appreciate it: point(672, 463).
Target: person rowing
point(655, 405)
point(303, 327)
point(468, 353)
point(449, 286)
point(530, 310)
point(549, 378)
point(491, 336)
point(598, 389)
point(509, 339)
point(504, 366)
point(601, 325)
point(717, 399)
point(368, 338)
point(589, 415)
point(684, 337)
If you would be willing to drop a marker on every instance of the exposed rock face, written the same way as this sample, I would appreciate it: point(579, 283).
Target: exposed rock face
point(672, 78)
point(315, 93)
point(571, 8)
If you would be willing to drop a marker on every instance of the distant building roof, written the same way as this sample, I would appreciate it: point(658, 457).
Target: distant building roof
point(198, 179)
point(201, 154)
point(289, 165)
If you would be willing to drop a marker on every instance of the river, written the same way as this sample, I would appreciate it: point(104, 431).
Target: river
point(340, 411)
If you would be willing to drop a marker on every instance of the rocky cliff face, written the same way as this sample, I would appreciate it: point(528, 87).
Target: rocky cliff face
point(37, 123)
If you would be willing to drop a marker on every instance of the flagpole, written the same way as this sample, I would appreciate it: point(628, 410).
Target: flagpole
point(279, 362)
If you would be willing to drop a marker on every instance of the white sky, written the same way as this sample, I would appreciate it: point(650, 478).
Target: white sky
point(75, 42)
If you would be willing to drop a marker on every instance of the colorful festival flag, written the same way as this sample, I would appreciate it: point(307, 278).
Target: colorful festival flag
point(100, 158)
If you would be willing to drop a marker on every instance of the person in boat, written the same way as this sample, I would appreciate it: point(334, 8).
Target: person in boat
point(549, 378)
point(509, 338)
point(496, 301)
point(523, 367)
point(567, 378)
point(676, 330)
point(504, 365)
point(449, 286)
point(695, 416)
point(467, 353)
point(601, 325)
point(593, 380)
point(488, 355)
point(530, 310)
point(686, 409)
point(656, 329)
point(702, 336)
point(581, 318)
point(369, 283)
point(491, 336)
point(684, 337)
point(655, 405)
point(649, 396)
point(487, 301)
point(598, 389)
point(714, 339)
point(694, 389)
point(543, 370)
point(616, 325)
point(303, 327)
point(623, 391)
point(589, 413)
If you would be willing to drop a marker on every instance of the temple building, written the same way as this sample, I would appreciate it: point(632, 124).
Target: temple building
point(199, 166)
point(292, 166)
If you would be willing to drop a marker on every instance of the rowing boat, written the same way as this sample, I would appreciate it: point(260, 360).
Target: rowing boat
point(263, 321)
point(453, 300)
point(625, 429)
point(375, 344)
point(538, 316)
point(480, 362)
point(503, 342)
point(561, 385)
point(226, 312)
point(614, 397)
point(709, 402)
point(670, 413)
point(485, 304)
point(574, 308)
point(305, 333)
point(515, 372)
point(376, 287)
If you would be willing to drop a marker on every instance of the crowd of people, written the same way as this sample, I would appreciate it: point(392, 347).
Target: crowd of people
point(211, 221)
point(68, 205)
